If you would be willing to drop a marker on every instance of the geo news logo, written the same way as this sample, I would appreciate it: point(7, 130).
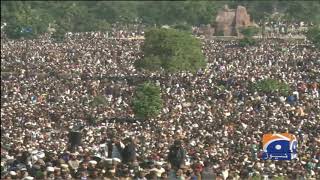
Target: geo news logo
point(279, 146)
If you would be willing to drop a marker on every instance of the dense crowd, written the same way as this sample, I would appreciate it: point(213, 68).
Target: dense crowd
point(284, 28)
point(211, 125)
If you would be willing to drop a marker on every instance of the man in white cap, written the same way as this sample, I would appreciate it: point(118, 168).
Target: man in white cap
point(29, 178)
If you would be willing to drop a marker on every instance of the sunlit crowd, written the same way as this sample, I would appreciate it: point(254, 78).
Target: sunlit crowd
point(210, 127)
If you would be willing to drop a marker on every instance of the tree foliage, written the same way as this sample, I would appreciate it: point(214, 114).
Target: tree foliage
point(23, 21)
point(171, 50)
point(247, 41)
point(249, 31)
point(313, 35)
point(183, 27)
point(308, 11)
point(147, 102)
point(271, 86)
point(79, 16)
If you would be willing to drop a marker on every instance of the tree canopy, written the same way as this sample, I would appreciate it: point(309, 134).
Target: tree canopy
point(248, 33)
point(313, 35)
point(171, 50)
point(271, 86)
point(29, 18)
point(147, 102)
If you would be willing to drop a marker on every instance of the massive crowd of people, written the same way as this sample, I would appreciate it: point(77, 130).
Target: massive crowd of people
point(284, 28)
point(211, 125)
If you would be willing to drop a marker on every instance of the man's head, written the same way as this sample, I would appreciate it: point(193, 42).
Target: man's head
point(177, 143)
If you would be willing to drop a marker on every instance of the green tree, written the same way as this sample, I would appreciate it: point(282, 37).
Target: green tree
point(250, 31)
point(23, 20)
point(183, 27)
point(172, 51)
point(152, 63)
point(247, 41)
point(59, 34)
point(313, 35)
point(271, 86)
point(201, 12)
point(79, 16)
point(308, 11)
point(147, 102)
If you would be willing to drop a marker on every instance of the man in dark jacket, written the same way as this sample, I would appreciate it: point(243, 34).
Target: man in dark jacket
point(129, 151)
point(114, 148)
point(176, 155)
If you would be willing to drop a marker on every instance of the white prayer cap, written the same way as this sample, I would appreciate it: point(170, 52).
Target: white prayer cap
point(187, 163)
point(50, 169)
point(41, 155)
point(74, 154)
point(158, 172)
point(108, 160)
point(34, 158)
point(312, 173)
point(64, 165)
point(93, 162)
point(34, 152)
point(159, 163)
point(29, 178)
point(116, 159)
point(13, 173)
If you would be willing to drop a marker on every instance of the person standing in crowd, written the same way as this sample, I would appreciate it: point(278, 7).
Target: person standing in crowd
point(115, 148)
point(129, 151)
point(177, 155)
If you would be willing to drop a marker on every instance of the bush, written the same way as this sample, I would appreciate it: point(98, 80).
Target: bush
point(59, 34)
point(172, 50)
point(152, 63)
point(183, 27)
point(147, 102)
point(18, 31)
point(313, 35)
point(249, 31)
point(271, 86)
point(247, 41)
point(23, 21)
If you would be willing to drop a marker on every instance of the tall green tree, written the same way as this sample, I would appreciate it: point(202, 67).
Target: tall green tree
point(172, 51)
point(79, 16)
point(23, 20)
point(308, 11)
point(313, 35)
point(147, 102)
point(248, 33)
